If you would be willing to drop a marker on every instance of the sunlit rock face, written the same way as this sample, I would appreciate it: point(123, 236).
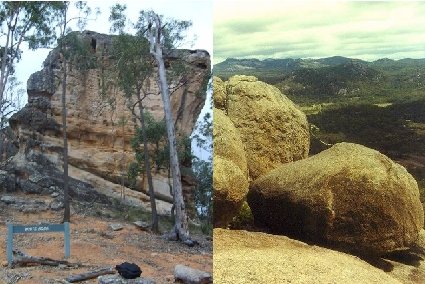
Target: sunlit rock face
point(273, 130)
point(349, 197)
point(100, 124)
point(256, 129)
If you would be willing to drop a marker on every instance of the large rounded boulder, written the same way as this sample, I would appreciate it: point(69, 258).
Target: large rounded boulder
point(273, 130)
point(349, 197)
point(230, 188)
point(230, 179)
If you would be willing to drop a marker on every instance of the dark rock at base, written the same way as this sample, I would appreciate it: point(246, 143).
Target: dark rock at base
point(7, 181)
point(56, 205)
point(30, 187)
point(142, 225)
point(9, 199)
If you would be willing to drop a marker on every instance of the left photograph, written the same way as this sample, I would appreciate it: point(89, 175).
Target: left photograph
point(106, 142)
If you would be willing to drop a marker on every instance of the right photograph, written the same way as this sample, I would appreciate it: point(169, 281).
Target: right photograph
point(319, 142)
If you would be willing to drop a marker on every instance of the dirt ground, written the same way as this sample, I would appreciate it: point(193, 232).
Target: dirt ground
point(95, 245)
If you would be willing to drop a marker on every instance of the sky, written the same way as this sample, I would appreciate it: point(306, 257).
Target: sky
point(367, 30)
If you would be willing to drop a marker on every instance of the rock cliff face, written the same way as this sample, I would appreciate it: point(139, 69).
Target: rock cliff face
point(99, 145)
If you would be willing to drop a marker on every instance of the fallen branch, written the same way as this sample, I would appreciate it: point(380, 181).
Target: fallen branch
point(24, 259)
point(90, 274)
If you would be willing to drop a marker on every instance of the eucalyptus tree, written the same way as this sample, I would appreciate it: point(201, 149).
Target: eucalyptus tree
point(72, 50)
point(20, 21)
point(134, 68)
point(163, 36)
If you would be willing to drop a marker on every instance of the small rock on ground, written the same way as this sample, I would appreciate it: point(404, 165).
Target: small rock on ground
point(142, 225)
point(117, 279)
point(189, 275)
point(116, 227)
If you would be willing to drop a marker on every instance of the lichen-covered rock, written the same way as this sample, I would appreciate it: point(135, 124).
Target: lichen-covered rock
point(254, 257)
point(349, 196)
point(228, 152)
point(230, 188)
point(227, 141)
point(273, 130)
point(219, 96)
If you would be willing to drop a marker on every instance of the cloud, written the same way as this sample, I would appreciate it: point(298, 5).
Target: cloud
point(277, 29)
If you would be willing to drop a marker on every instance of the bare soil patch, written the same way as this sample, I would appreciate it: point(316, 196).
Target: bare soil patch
point(94, 245)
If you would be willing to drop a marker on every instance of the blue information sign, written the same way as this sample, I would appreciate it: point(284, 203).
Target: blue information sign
point(43, 228)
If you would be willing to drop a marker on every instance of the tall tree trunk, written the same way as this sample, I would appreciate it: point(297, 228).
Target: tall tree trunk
point(181, 224)
point(66, 215)
point(67, 211)
point(148, 166)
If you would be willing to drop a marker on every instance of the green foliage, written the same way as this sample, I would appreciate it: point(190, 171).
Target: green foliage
point(117, 18)
point(33, 22)
point(157, 137)
point(172, 30)
point(203, 194)
point(244, 219)
point(133, 62)
point(203, 133)
point(379, 128)
point(78, 52)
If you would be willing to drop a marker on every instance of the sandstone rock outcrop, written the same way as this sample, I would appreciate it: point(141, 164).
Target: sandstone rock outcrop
point(349, 196)
point(253, 257)
point(99, 145)
point(273, 130)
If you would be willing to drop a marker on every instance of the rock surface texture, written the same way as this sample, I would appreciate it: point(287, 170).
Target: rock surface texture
point(99, 147)
point(349, 197)
point(256, 129)
point(273, 130)
point(189, 275)
point(230, 179)
point(253, 257)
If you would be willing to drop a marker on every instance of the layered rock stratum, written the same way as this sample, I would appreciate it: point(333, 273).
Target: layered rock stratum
point(99, 143)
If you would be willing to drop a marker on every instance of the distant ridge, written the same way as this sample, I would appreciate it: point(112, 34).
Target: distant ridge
point(274, 70)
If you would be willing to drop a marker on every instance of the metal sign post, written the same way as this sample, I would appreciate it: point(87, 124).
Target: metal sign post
point(44, 228)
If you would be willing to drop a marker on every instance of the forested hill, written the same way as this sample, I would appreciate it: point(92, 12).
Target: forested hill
point(334, 78)
point(271, 70)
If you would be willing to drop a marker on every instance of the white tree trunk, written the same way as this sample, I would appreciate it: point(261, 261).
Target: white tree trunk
point(181, 224)
point(181, 228)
